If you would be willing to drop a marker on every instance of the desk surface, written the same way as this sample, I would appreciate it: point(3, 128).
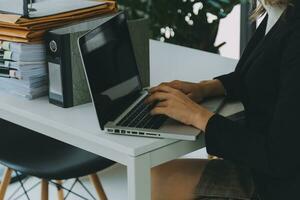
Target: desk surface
point(79, 126)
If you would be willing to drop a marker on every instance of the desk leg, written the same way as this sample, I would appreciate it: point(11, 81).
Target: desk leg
point(139, 178)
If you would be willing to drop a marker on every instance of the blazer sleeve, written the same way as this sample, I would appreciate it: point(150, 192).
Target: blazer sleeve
point(231, 84)
point(276, 151)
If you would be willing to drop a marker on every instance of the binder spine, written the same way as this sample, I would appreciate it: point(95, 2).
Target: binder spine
point(54, 58)
point(60, 79)
point(67, 71)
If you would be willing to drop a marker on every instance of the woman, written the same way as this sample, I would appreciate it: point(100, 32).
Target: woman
point(260, 156)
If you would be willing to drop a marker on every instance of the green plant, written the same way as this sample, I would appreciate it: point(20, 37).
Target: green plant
point(191, 23)
point(135, 8)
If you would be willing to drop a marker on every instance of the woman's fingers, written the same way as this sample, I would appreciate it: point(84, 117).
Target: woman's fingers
point(155, 89)
point(158, 96)
point(159, 111)
point(161, 93)
point(183, 86)
point(162, 104)
point(193, 97)
point(176, 84)
point(162, 88)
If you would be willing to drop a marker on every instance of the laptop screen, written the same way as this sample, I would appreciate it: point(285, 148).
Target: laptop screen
point(110, 68)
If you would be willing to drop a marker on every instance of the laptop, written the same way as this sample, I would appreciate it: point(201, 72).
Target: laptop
point(115, 86)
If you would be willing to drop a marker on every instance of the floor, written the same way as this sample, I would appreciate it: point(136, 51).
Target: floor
point(114, 180)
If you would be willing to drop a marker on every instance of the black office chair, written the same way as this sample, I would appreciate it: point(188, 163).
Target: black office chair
point(30, 153)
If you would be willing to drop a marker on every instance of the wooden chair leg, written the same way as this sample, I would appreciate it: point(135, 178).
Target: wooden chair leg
point(98, 186)
point(5, 182)
point(60, 191)
point(44, 190)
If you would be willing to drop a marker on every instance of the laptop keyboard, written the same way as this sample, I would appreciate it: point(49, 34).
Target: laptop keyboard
point(140, 117)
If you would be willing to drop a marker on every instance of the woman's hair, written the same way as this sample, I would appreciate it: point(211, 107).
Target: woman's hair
point(260, 9)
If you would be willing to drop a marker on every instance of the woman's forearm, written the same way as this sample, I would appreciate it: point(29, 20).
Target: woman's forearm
point(212, 88)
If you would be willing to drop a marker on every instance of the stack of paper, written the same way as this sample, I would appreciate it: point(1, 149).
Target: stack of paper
point(19, 29)
point(22, 51)
point(23, 69)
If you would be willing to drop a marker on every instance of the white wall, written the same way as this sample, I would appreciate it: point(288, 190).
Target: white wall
point(229, 31)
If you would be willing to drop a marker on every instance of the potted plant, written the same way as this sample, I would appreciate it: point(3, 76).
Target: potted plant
point(190, 23)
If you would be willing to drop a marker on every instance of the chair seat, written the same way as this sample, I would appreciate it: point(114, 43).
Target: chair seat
point(37, 155)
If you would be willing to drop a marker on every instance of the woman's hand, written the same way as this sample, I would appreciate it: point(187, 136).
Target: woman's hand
point(196, 91)
point(193, 90)
point(177, 105)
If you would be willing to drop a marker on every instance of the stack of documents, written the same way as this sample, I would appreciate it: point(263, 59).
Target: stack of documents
point(23, 69)
point(50, 14)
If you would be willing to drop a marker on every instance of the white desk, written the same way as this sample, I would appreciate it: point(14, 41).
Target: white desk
point(78, 126)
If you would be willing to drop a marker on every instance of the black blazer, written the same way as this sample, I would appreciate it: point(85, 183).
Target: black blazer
point(267, 82)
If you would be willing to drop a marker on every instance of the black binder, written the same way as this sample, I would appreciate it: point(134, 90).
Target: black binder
point(67, 80)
